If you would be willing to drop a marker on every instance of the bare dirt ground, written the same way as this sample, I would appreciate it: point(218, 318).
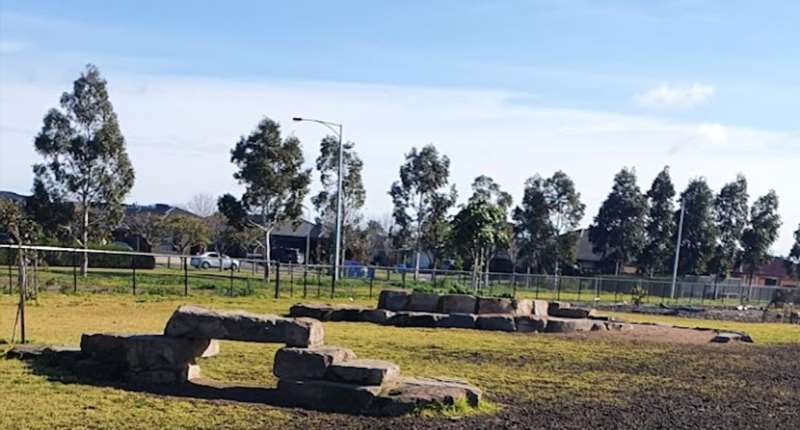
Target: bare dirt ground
point(657, 333)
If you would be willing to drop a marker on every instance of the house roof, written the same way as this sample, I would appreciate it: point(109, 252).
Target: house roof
point(583, 247)
point(302, 229)
point(159, 209)
point(774, 268)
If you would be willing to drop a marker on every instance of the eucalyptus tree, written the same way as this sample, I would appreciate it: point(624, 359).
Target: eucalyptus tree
point(476, 232)
point(422, 175)
point(699, 233)
point(182, 232)
point(271, 169)
point(85, 159)
point(760, 233)
point(618, 229)
point(353, 190)
point(730, 209)
point(436, 228)
point(660, 224)
point(485, 188)
point(794, 253)
point(566, 212)
point(533, 228)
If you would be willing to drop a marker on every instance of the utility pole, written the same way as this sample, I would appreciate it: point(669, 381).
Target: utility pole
point(677, 252)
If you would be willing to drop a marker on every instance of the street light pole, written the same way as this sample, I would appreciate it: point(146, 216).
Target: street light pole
point(677, 252)
point(337, 129)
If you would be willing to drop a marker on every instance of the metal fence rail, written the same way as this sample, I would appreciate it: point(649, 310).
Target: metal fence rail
point(172, 274)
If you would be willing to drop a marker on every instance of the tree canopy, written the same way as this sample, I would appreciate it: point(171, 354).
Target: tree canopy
point(699, 233)
point(761, 232)
point(730, 209)
point(660, 225)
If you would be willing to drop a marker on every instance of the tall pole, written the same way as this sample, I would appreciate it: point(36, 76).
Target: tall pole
point(677, 252)
point(337, 258)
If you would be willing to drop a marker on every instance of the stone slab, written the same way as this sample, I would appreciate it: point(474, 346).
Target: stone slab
point(539, 308)
point(423, 302)
point(393, 300)
point(377, 316)
point(496, 322)
point(143, 352)
point(327, 395)
point(308, 363)
point(415, 319)
point(530, 323)
point(725, 337)
point(522, 306)
point(554, 306)
point(200, 323)
point(568, 325)
point(409, 394)
point(458, 304)
point(571, 312)
point(328, 312)
point(454, 320)
point(212, 350)
point(363, 372)
point(163, 377)
point(494, 305)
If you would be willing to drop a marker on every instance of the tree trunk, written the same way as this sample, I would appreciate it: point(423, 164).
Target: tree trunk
point(85, 240)
point(419, 233)
point(23, 283)
point(266, 254)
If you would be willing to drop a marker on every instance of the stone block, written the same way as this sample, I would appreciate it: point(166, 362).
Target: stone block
point(555, 306)
point(393, 300)
point(423, 302)
point(415, 319)
point(328, 312)
point(530, 323)
point(308, 363)
point(377, 316)
point(327, 395)
point(409, 394)
point(143, 352)
point(522, 307)
point(498, 322)
point(725, 337)
point(457, 321)
point(617, 326)
point(212, 350)
point(568, 325)
point(494, 305)
point(200, 323)
point(458, 304)
point(571, 312)
point(539, 308)
point(363, 372)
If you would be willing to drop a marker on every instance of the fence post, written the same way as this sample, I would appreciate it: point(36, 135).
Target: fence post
point(514, 283)
point(558, 286)
point(277, 279)
point(230, 288)
point(703, 297)
point(538, 284)
point(616, 290)
point(319, 281)
point(371, 278)
point(10, 272)
point(169, 261)
point(333, 280)
point(403, 275)
point(305, 280)
point(291, 280)
point(74, 272)
point(133, 273)
point(580, 287)
point(185, 277)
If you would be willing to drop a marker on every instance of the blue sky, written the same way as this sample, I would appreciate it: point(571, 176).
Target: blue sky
point(506, 88)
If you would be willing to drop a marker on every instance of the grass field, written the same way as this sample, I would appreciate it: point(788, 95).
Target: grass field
point(530, 377)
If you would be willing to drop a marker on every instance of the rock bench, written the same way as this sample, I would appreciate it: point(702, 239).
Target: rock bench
point(414, 309)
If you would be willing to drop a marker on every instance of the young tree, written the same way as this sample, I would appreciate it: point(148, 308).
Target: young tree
point(436, 227)
point(660, 225)
point(202, 204)
point(23, 231)
point(485, 188)
point(533, 228)
point(730, 208)
point(271, 169)
point(86, 158)
point(566, 212)
point(618, 229)
point(475, 232)
point(794, 253)
point(421, 176)
point(760, 233)
point(183, 232)
point(353, 190)
point(699, 232)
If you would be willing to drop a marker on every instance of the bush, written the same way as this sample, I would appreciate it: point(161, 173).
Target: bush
point(105, 261)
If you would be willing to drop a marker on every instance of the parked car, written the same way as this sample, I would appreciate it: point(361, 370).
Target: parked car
point(208, 260)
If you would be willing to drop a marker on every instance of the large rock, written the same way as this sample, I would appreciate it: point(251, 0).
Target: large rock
point(458, 304)
point(415, 319)
point(410, 394)
point(327, 395)
point(200, 323)
point(308, 363)
point(393, 300)
point(457, 321)
point(554, 306)
point(539, 308)
point(571, 312)
point(143, 352)
point(725, 337)
point(522, 307)
point(568, 325)
point(377, 316)
point(363, 372)
point(423, 302)
point(494, 305)
point(497, 322)
point(530, 323)
point(328, 312)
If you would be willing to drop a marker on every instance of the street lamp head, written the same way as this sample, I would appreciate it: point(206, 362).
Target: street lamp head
point(297, 118)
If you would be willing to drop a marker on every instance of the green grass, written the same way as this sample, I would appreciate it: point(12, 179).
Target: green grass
point(543, 369)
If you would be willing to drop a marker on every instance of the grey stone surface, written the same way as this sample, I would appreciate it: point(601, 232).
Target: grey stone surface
point(327, 395)
point(212, 350)
point(143, 352)
point(494, 305)
point(408, 394)
point(458, 304)
point(200, 323)
point(571, 312)
point(377, 316)
point(328, 312)
point(393, 300)
point(522, 307)
point(617, 326)
point(539, 308)
point(497, 322)
point(567, 325)
point(415, 319)
point(363, 372)
point(725, 337)
point(457, 321)
point(308, 363)
point(530, 323)
point(423, 302)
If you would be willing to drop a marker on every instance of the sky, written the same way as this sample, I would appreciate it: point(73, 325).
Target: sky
point(507, 88)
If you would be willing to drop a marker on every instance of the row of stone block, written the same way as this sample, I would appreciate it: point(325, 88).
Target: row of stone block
point(401, 300)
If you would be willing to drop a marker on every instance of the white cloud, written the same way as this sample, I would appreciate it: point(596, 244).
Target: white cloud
point(11, 47)
point(670, 96)
point(180, 131)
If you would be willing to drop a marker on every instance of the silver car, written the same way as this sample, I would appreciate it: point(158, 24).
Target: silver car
point(208, 260)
